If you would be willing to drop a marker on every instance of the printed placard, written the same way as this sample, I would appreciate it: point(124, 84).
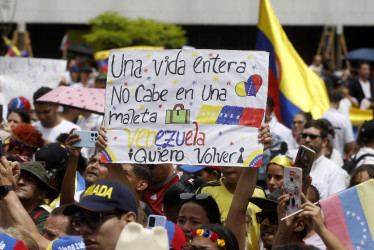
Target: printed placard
point(197, 107)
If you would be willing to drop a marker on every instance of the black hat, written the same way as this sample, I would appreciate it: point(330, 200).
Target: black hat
point(367, 130)
point(55, 157)
point(37, 170)
point(86, 69)
point(270, 201)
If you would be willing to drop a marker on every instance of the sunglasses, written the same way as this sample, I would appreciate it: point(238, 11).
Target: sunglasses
point(188, 196)
point(92, 220)
point(311, 136)
point(261, 216)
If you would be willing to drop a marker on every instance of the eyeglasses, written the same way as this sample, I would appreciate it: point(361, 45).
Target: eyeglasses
point(93, 220)
point(261, 216)
point(313, 137)
point(187, 196)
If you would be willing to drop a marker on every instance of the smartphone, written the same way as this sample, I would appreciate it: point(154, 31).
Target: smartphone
point(88, 138)
point(156, 221)
point(304, 160)
point(292, 185)
point(1, 148)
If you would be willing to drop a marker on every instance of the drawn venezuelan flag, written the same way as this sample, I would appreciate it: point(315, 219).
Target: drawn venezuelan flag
point(349, 215)
point(292, 85)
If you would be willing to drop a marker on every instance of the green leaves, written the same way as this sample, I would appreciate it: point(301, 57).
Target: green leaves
point(109, 30)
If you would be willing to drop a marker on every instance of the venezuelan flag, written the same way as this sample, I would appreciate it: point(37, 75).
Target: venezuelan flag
point(349, 215)
point(65, 42)
point(292, 85)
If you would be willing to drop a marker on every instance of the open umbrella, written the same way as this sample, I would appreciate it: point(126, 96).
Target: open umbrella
point(86, 99)
point(80, 49)
point(363, 54)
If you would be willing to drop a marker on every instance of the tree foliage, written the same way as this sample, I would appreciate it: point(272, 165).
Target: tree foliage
point(109, 30)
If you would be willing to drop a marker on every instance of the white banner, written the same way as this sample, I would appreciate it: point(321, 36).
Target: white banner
point(196, 107)
point(23, 76)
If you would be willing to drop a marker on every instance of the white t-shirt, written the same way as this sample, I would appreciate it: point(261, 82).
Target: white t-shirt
point(337, 157)
point(282, 131)
point(52, 133)
point(315, 241)
point(366, 88)
point(343, 135)
point(344, 106)
point(93, 122)
point(368, 159)
point(328, 177)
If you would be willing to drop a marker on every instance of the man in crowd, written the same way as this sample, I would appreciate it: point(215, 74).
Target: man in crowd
point(105, 209)
point(49, 124)
point(58, 225)
point(163, 176)
point(327, 177)
point(343, 140)
point(31, 189)
point(361, 87)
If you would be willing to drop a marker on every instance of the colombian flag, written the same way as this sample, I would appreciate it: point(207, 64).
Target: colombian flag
point(12, 50)
point(349, 215)
point(292, 85)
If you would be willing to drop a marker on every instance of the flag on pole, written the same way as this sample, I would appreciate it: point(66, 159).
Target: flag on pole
point(12, 50)
point(349, 215)
point(292, 85)
point(65, 42)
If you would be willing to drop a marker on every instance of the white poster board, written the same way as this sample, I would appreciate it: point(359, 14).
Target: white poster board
point(23, 76)
point(196, 107)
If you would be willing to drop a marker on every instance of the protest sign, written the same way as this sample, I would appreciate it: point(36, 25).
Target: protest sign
point(23, 76)
point(200, 107)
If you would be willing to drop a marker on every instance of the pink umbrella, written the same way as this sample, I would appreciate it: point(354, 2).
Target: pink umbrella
point(88, 99)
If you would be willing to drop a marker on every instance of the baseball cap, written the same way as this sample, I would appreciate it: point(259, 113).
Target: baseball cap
point(19, 102)
point(194, 169)
point(135, 237)
point(7, 242)
point(74, 69)
point(55, 158)
point(176, 236)
point(104, 195)
point(271, 200)
point(37, 170)
point(367, 130)
point(67, 242)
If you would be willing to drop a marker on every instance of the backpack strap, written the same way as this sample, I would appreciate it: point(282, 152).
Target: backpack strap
point(361, 157)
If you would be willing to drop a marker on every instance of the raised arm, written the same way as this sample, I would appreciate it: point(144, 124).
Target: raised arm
point(68, 184)
point(313, 217)
point(116, 173)
point(12, 211)
point(236, 217)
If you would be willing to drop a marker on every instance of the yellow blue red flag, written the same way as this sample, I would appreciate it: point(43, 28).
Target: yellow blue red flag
point(12, 50)
point(349, 215)
point(292, 85)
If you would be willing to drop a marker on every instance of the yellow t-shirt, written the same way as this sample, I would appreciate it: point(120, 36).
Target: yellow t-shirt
point(224, 198)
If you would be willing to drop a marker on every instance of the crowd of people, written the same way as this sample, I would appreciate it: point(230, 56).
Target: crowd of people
point(58, 196)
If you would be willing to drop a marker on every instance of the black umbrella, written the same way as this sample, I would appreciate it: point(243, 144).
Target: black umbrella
point(363, 54)
point(80, 49)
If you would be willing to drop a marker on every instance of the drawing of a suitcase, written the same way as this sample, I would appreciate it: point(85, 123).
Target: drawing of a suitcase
point(180, 115)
